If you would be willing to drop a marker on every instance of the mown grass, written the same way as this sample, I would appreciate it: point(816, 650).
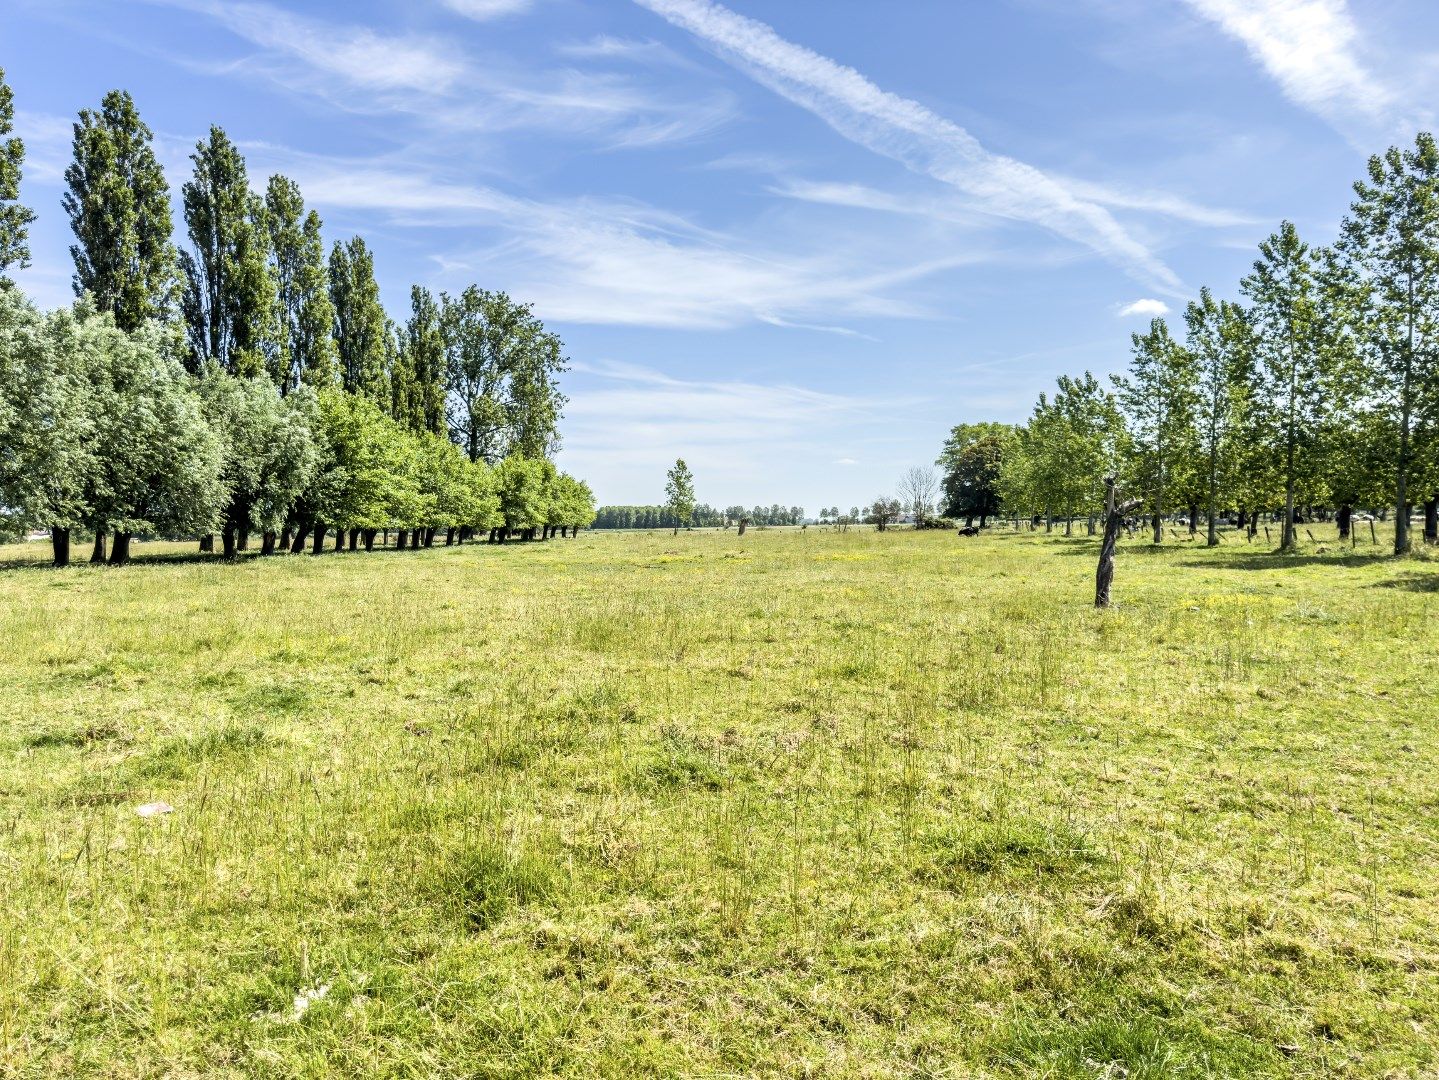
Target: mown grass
point(797, 804)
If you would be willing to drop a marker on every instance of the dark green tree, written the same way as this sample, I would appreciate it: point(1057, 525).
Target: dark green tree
point(1219, 341)
point(970, 464)
point(14, 219)
point(306, 348)
point(360, 323)
point(1297, 389)
point(417, 384)
point(1159, 397)
point(229, 298)
point(501, 373)
point(119, 206)
point(1390, 244)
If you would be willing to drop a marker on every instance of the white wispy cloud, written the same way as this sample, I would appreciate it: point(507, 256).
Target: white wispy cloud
point(433, 83)
point(912, 134)
point(629, 50)
point(622, 262)
point(1148, 307)
point(356, 54)
point(484, 10)
point(1314, 51)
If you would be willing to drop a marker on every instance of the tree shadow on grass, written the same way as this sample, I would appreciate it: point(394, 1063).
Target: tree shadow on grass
point(186, 558)
point(1269, 559)
point(1420, 583)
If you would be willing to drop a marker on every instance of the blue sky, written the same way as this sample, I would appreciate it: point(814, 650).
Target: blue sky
point(792, 241)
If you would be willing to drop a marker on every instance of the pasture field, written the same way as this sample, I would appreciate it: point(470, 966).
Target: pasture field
point(798, 804)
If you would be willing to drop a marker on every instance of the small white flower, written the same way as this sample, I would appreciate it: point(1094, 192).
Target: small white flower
point(154, 809)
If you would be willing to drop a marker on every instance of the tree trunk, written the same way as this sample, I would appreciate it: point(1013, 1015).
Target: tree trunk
point(60, 546)
point(430, 536)
point(302, 533)
point(285, 538)
point(1157, 525)
point(1113, 521)
point(1287, 541)
point(120, 553)
point(401, 539)
point(227, 537)
point(207, 543)
point(319, 538)
point(1345, 518)
point(97, 553)
point(267, 543)
point(450, 536)
point(369, 539)
point(1431, 520)
point(243, 538)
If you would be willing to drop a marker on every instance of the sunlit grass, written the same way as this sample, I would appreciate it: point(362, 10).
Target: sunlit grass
point(801, 803)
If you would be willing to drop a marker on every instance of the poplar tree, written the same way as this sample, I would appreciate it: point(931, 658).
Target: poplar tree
point(421, 405)
point(1159, 397)
point(1295, 384)
point(306, 317)
point(680, 493)
point(14, 219)
point(229, 294)
point(360, 324)
point(1218, 339)
point(118, 202)
point(1391, 246)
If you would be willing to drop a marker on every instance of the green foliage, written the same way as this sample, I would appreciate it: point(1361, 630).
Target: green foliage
point(1159, 397)
point(118, 202)
point(306, 354)
point(361, 329)
point(229, 299)
point(269, 446)
point(1390, 245)
point(15, 219)
point(158, 465)
point(47, 425)
point(417, 380)
point(680, 491)
point(502, 368)
point(523, 488)
point(972, 461)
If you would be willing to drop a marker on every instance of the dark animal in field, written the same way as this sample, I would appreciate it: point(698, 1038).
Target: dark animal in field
point(968, 530)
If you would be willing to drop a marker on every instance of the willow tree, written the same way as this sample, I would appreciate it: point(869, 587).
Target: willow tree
point(118, 202)
point(229, 296)
point(46, 421)
point(1390, 243)
point(15, 219)
point(1159, 396)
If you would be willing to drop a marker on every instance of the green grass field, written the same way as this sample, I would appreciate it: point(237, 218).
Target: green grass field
point(798, 804)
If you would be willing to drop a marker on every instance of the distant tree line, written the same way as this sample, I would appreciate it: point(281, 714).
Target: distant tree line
point(1315, 392)
point(703, 516)
point(247, 383)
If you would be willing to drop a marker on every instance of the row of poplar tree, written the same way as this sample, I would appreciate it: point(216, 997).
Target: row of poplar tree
point(1317, 391)
point(247, 383)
